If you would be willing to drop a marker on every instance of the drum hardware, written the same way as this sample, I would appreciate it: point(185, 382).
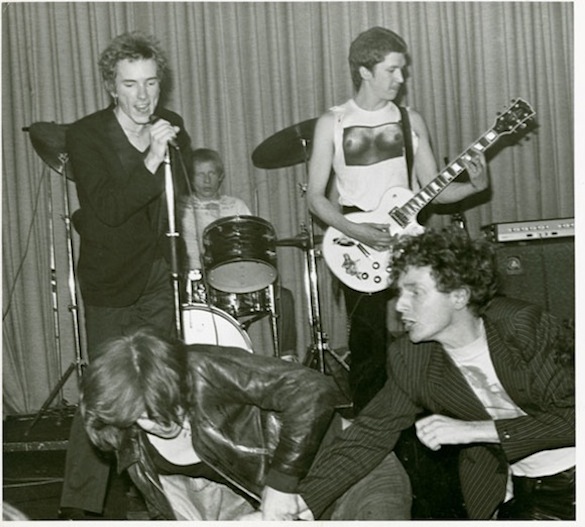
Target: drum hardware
point(274, 320)
point(195, 292)
point(300, 241)
point(270, 312)
point(249, 321)
point(48, 141)
point(286, 148)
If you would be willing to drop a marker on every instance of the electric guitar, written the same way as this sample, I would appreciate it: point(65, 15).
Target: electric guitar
point(365, 269)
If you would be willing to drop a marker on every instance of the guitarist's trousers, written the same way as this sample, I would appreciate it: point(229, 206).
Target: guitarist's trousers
point(368, 341)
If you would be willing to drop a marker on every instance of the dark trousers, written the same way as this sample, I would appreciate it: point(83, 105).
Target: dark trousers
point(544, 498)
point(86, 469)
point(368, 341)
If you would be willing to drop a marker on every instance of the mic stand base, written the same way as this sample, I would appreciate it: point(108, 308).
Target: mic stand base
point(72, 367)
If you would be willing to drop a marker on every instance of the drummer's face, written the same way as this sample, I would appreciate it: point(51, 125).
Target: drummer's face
point(208, 179)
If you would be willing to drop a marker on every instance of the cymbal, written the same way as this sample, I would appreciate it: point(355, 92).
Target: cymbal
point(285, 148)
point(48, 140)
point(300, 241)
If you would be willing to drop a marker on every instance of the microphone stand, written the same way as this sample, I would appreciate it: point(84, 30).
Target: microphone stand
point(173, 235)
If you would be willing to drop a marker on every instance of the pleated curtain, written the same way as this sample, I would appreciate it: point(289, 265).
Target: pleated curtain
point(241, 72)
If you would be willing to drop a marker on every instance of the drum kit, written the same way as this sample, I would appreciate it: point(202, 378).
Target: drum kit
point(236, 285)
point(239, 262)
point(239, 258)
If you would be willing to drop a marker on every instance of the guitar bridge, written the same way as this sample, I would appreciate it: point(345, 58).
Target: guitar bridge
point(364, 251)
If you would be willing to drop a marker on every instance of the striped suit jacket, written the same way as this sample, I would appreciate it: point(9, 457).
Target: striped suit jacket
point(521, 339)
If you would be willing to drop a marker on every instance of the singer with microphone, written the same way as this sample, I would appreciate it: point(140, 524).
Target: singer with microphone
point(118, 162)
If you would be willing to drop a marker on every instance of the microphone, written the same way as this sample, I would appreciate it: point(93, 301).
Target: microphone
point(153, 119)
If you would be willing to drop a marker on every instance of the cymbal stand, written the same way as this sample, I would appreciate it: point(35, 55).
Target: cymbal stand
point(77, 363)
point(53, 264)
point(320, 344)
point(319, 339)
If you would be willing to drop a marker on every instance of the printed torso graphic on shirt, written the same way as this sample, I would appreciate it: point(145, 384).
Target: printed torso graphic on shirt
point(369, 153)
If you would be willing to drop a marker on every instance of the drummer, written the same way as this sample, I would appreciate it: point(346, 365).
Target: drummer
point(206, 204)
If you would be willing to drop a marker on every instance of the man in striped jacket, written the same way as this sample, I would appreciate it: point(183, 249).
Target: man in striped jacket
point(488, 373)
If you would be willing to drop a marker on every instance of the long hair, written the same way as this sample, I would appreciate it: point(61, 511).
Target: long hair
point(135, 45)
point(132, 376)
point(371, 47)
point(455, 260)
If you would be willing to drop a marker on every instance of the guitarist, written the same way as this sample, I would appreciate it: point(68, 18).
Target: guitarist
point(366, 144)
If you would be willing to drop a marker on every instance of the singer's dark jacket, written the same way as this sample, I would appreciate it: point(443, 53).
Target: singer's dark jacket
point(122, 219)
point(522, 342)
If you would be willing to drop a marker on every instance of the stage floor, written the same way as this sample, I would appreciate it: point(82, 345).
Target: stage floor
point(33, 465)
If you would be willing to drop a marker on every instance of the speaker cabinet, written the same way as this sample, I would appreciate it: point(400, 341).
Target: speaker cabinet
point(541, 271)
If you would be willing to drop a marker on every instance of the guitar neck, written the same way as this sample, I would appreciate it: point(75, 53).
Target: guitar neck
point(405, 214)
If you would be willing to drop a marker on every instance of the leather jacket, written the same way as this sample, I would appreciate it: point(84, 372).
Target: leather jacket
point(258, 421)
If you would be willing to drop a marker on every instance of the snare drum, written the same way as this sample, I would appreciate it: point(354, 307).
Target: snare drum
point(243, 304)
point(240, 254)
point(203, 324)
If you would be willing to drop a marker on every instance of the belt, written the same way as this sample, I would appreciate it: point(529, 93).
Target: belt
point(346, 209)
point(554, 482)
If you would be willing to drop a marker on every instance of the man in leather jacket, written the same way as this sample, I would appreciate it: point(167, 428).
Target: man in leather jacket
point(245, 423)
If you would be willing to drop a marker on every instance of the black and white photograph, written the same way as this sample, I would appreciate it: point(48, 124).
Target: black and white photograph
point(278, 261)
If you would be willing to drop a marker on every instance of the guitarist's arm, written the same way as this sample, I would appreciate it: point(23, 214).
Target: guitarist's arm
point(320, 169)
point(425, 166)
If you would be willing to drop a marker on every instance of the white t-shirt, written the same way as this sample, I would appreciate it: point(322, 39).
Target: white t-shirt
point(476, 365)
point(369, 153)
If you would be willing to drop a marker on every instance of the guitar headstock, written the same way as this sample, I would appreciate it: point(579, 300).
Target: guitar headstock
point(514, 117)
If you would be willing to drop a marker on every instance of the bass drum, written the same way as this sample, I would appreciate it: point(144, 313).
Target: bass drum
point(203, 324)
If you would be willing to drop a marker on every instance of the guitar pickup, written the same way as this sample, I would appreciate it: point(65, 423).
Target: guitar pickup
point(344, 242)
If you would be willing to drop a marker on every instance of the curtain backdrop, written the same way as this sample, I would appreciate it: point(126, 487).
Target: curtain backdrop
point(241, 72)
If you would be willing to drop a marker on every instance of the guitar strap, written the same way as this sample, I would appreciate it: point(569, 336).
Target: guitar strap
point(407, 133)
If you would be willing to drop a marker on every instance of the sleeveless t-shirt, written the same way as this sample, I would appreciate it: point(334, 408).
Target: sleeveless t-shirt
point(369, 153)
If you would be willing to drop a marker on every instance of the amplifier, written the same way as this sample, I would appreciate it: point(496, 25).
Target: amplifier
point(536, 262)
point(529, 230)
